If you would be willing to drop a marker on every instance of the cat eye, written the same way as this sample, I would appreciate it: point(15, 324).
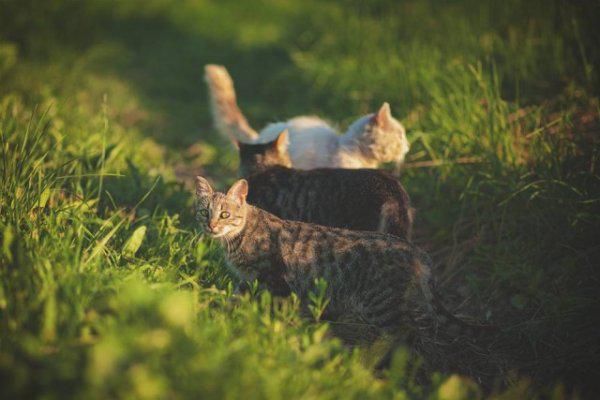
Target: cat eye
point(225, 214)
point(204, 212)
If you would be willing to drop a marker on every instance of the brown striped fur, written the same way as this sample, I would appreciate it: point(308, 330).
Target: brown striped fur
point(357, 199)
point(377, 283)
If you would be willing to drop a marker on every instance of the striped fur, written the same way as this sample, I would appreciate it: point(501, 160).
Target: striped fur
point(358, 199)
point(377, 284)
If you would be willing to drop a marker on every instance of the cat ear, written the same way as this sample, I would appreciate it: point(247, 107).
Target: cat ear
point(238, 191)
point(282, 141)
point(203, 188)
point(383, 115)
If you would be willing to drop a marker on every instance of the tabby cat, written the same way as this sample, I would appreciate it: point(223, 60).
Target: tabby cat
point(357, 199)
point(377, 283)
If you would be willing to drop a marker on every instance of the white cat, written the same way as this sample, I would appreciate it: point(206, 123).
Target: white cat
point(369, 141)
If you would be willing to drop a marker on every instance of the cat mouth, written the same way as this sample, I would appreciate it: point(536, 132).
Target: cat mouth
point(214, 234)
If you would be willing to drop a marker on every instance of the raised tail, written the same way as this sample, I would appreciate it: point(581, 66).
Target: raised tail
point(227, 116)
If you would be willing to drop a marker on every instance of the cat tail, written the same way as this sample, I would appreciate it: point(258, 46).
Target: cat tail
point(455, 326)
point(439, 335)
point(397, 219)
point(227, 116)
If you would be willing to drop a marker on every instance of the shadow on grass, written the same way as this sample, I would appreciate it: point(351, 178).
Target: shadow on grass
point(163, 63)
point(166, 68)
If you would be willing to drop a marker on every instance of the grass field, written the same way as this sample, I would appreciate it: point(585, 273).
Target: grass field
point(108, 290)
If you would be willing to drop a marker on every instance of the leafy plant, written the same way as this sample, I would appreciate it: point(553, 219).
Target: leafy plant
point(318, 299)
point(107, 289)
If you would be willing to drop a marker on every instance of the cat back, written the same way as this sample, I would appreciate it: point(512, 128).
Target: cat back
point(358, 199)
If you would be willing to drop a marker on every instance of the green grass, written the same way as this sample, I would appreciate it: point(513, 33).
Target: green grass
point(108, 290)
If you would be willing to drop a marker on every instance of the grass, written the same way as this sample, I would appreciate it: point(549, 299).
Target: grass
point(108, 290)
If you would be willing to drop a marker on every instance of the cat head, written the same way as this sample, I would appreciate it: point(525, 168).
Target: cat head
point(380, 136)
point(256, 157)
point(221, 215)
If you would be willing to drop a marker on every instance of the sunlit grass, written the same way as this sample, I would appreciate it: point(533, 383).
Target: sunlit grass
point(108, 290)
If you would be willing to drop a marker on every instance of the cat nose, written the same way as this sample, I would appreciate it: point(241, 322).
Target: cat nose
point(212, 226)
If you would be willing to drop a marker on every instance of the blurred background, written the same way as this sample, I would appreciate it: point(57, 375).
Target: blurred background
point(105, 120)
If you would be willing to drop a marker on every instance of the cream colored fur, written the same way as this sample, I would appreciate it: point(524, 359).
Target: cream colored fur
point(369, 141)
